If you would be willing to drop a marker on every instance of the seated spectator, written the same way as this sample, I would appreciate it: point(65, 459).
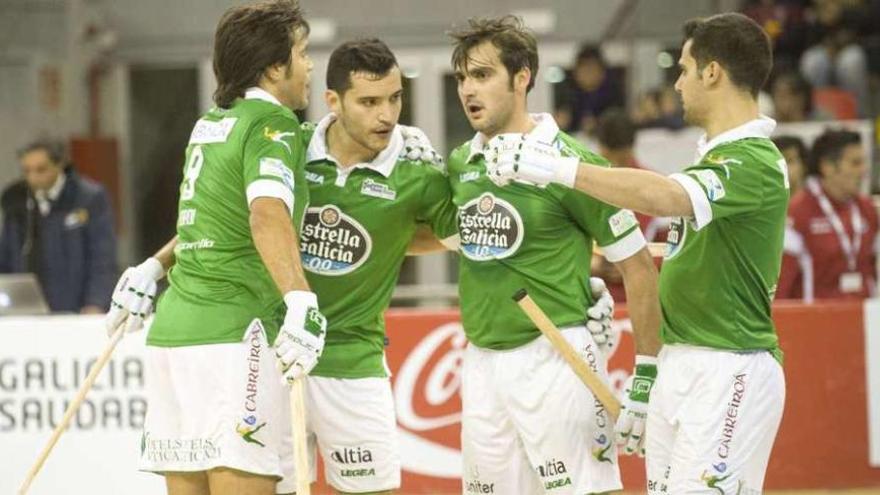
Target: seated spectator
point(616, 134)
point(835, 58)
point(594, 89)
point(793, 99)
point(59, 226)
point(659, 108)
point(795, 153)
point(830, 248)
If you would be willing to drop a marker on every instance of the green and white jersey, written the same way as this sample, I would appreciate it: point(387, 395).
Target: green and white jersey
point(521, 236)
point(354, 239)
point(721, 267)
point(219, 283)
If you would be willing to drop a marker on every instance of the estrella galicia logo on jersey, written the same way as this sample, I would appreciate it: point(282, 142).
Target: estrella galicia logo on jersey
point(333, 243)
point(675, 237)
point(490, 228)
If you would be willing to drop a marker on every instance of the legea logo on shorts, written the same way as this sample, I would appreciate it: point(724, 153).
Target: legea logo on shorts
point(490, 228)
point(333, 243)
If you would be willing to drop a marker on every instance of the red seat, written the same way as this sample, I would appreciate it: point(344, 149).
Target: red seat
point(837, 102)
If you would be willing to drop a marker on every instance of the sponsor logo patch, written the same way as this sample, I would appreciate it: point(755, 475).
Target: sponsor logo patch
point(469, 176)
point(314, 178)
point(622, 221)
point(377, 190)
point(490, 228)
point(333, 243)
point(186, 217)
point(712, 183)
point(210, 131)
point(274, 167)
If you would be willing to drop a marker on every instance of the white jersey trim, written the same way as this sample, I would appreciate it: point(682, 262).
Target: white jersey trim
point(265, 188)
point(699, 201)
point(625, 247)
point(793, 242)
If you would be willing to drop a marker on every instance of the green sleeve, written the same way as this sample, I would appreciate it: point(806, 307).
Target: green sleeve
point(437, 208)
point(269, 152)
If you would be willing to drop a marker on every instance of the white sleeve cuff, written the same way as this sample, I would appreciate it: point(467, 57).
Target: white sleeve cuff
point(793, 242)
point(629, 245)
point(452, 242)
point(699, 201)
point(264, 188)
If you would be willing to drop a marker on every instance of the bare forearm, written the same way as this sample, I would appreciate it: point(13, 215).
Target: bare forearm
point(165, 254)
point(276, 241)
point(424, 242)
point(643, 301)
point(640, 190)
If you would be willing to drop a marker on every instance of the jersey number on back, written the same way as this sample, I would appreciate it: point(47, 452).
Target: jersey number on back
point(191, 173)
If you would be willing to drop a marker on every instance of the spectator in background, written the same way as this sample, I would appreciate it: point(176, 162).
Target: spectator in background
point(594, 89)
point(795, 153)
point(659, 108)
point(59, 226)
point(784, 22)
point(834, 57)
point(616, 134)
point(830, 248)
point(793, 99)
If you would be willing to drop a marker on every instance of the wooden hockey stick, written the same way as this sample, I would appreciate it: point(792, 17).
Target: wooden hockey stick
point(300, 448)
point(578, 365)
point(72, 408)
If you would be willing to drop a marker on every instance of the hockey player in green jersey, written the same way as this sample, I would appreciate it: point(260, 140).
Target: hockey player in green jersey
point(528, 424)
point(367, 198)
point(717, 390)
point(218, 421)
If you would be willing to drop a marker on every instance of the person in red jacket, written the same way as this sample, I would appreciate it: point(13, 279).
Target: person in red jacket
point(830, 240)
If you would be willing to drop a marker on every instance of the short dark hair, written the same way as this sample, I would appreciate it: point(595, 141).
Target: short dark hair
point(54, 148)
point(517, 46)
point(829, 146)
point(249, 39)
point(589, 51)
point(615, 130)
point(799, 84)
point(371, 56)
point(737, 43)
point(788, 141)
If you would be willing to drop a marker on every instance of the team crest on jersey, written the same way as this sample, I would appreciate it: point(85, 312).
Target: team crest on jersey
point(333, 243)
point(675, 237)
point(490, 228)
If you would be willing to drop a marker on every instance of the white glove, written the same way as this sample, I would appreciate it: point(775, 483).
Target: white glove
point(417, 146)
point(301, 339)
point(517, 157)
point(600, 314)
point(630, 425)
point(133, 296)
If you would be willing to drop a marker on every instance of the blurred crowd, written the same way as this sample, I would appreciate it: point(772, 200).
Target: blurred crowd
point(826, 69)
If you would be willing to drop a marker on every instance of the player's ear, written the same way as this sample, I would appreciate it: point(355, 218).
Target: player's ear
point(333, 100)
point(521, 80)
point(712, 73)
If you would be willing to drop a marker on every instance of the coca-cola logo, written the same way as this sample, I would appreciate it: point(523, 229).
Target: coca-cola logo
point(426, 395)
point(428, 405)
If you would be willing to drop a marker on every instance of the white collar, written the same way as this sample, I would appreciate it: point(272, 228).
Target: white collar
point(383, 163)
point(545, 131)
point(761, 127)
point(255, 93)
point(53, 192)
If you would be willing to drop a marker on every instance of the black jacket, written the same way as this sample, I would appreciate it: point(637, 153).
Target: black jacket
point(72, 249)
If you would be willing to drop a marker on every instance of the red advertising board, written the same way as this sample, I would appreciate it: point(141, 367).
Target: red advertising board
point(822, 443)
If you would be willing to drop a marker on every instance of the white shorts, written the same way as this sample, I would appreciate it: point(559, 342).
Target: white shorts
point(218, 405)
point(530, 426)
point(355, 427)
point(712, 419)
